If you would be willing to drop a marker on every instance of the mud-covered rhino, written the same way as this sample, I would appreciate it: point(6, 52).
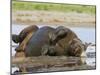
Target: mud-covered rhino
point(48, 41)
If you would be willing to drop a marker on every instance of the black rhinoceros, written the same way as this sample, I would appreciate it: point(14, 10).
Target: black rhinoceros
point(50, 41)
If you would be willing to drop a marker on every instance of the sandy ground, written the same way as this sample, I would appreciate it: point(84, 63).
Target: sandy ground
point(53, 18)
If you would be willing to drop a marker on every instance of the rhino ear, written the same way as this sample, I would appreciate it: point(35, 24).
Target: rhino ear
point(61, 31)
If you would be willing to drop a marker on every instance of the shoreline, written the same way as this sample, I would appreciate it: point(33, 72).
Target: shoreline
point(71, 19)
point(55, 25)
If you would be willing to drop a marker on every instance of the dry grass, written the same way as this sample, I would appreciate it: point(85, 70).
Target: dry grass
point(53, 18)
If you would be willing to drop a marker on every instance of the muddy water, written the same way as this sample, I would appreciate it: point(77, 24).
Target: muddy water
point(85, 34)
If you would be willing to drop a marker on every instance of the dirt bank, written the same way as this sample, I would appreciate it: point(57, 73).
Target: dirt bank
point(53, 18)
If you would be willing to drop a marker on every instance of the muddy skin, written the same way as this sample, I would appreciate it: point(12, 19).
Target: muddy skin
point(64, 42)
point(38, 40)
point(24, 37)
point(23, 44)
point(67, 43)
point(52, 42)
point(76, 48)
point(20, 54)
point(19, 38)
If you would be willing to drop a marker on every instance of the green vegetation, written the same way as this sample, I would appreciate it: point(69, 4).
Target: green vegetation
point(17, 5)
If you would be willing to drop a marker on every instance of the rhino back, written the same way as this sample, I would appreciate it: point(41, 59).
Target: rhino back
point(38, 40)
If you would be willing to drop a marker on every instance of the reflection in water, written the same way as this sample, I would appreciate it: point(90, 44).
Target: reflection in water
point(85, 34)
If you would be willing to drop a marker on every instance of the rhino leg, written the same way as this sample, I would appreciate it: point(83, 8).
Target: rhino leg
point(26, 31)
point(19, 38)
point(24, 42)
point(48, 50)
point(24, 37)
point(44, 50)
point(20, 54)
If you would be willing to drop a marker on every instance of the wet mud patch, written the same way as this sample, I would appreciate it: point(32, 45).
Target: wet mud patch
point(49, 64)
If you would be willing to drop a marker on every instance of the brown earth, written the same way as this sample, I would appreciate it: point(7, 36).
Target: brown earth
point(53, 18)
point(49, 64)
